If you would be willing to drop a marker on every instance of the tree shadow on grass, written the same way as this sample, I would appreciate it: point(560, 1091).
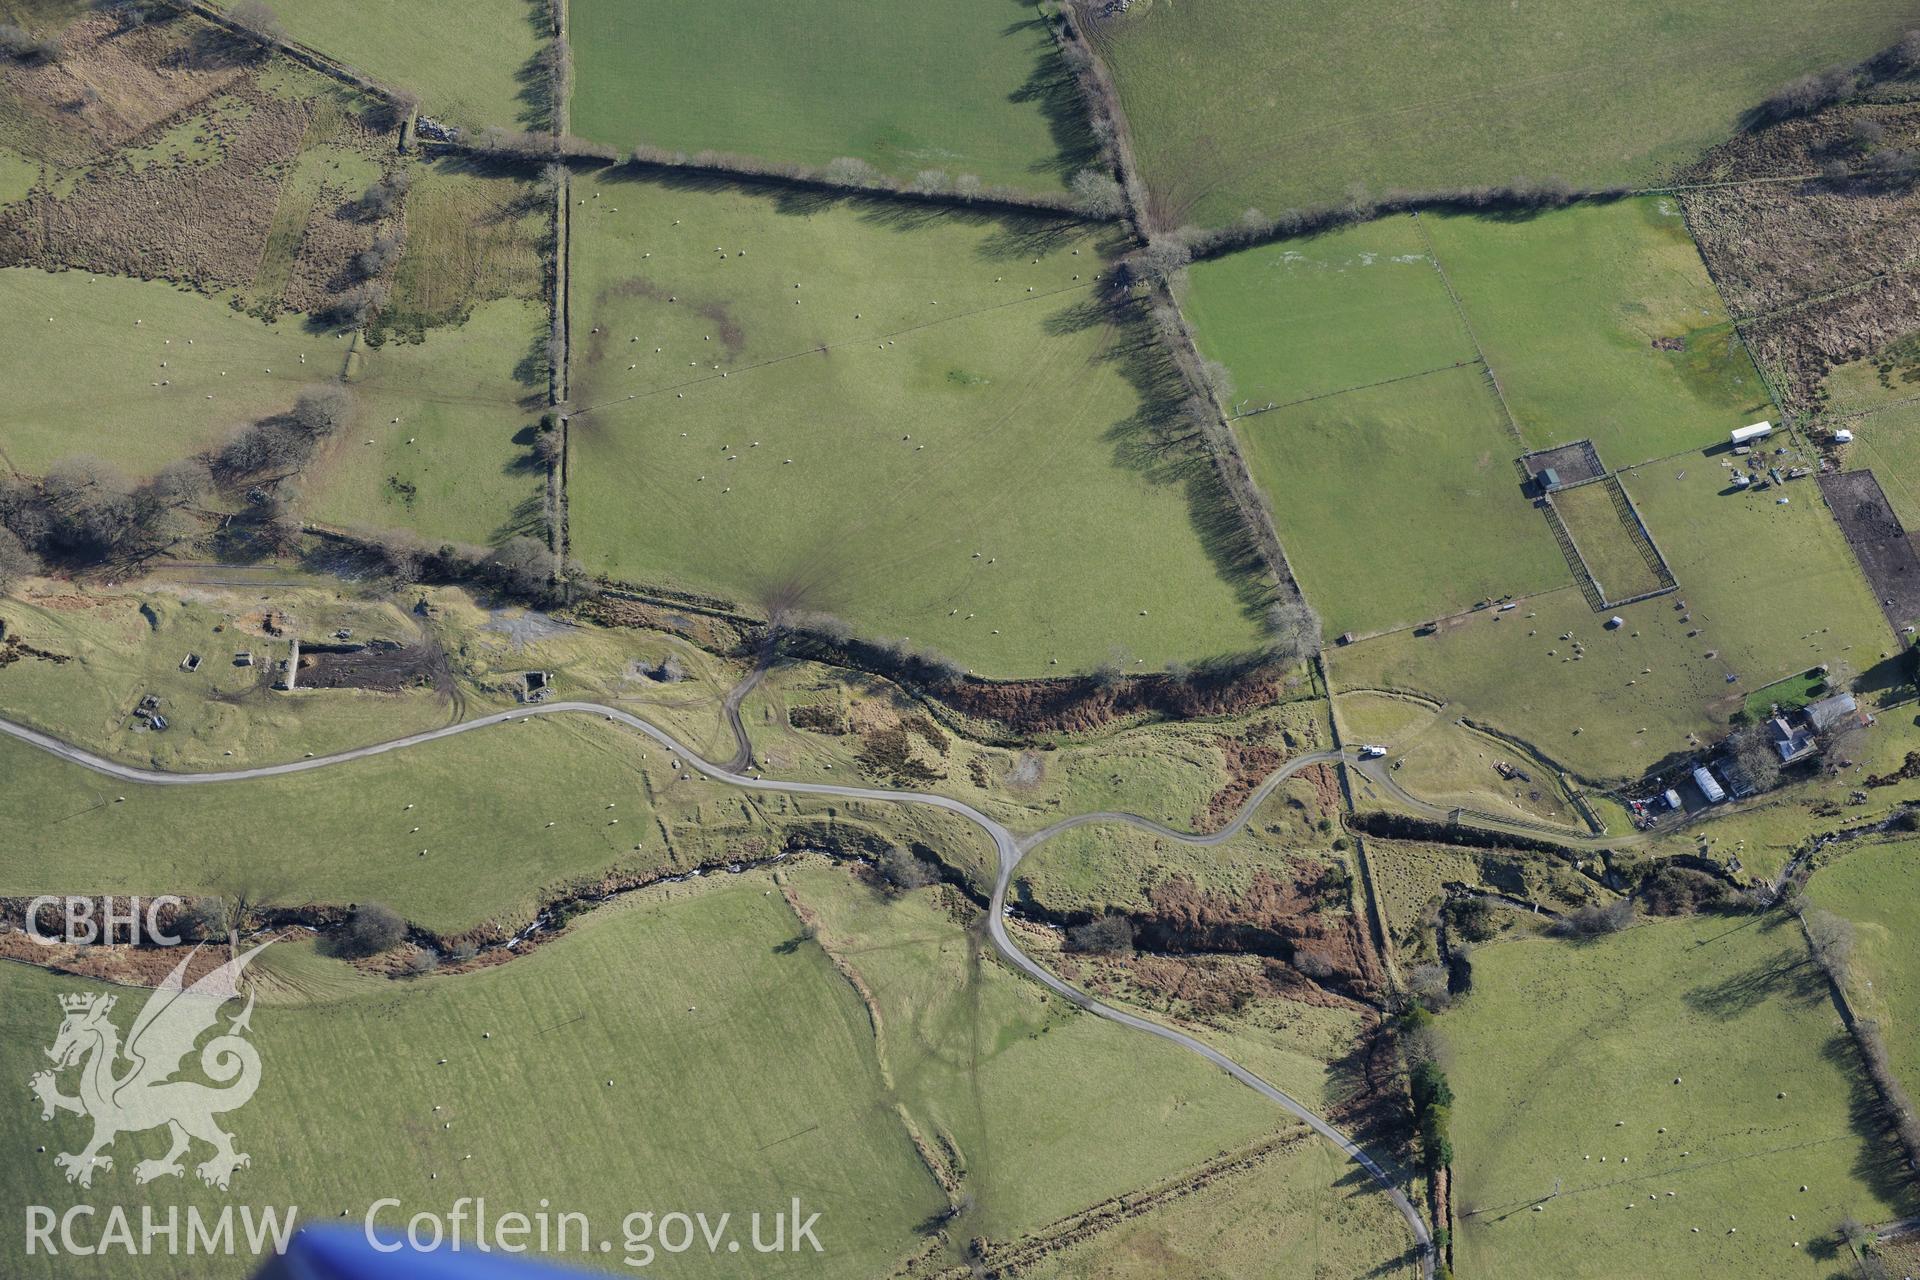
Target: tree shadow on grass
point(1051, 87)
point(539, 104)
point(527, 519)
point(1741, 993)
point(1162, 441)
point(1879, 1162)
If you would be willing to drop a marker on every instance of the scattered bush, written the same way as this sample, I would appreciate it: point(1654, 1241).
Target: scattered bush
point(1592, 921)
point(21, 45)
point(1106, 934)
point(419, 964)
point(902, 871)
point(384, 198)
point(372, 928)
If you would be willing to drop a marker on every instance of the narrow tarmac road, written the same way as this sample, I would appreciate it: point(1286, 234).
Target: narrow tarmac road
point(1011, 849)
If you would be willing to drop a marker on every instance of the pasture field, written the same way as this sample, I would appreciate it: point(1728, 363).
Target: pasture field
point(1887, 442)
point(992, 1070)
point(971, 87)
point(1609, 703)
point(1447, 763)
point(473, 236)
point(1600, 322)
point(1888, 377)
point(88, 350)
point(834, 405)
point(1297, 1213)
point(1872, 886)
point(468, 60)
point(1308, 104)
point(737, 1084)
point(1322, 314)
point(458, 396)
point(1599, 532)
point(1700, 1056)
point(481, 803)
point(1437, 450)
point(442, 441)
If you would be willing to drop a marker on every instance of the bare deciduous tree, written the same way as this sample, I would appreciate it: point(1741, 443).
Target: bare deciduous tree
point(1293, 631)
point(1098, 194)
point(16, 562)
point(257, 19)
point(902, 871)
point(1753, 750)
point(385, 196)
point(377, 257)
point(850, 171)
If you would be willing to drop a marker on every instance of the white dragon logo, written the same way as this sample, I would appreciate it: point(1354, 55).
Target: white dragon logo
point(145, 1096)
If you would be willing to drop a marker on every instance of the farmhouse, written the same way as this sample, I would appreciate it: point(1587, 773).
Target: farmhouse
point(1792, 741)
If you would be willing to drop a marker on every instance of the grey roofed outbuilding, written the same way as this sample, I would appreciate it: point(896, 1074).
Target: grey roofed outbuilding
point(1830, 711)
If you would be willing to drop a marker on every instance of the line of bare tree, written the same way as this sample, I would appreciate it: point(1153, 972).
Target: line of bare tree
point(83, 509)
point(1804, 95)
point(1106, 121)
point(1831, 940)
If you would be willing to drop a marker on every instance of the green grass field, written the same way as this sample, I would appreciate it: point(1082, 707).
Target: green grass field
point(992, 1068)
point(1891, 375)
point(90, 351)
point(1600, 535)
point(1456, 529)
point(1564, 1061)
point(458, 396)
point(465, 60)
point(1634, 694)
point(837, 405)
point(1872, 886)
point(1314, 316)
point(1445, 762)
point(1568, 307)
point(1234, 103)
point(441, 444)
point(1887, 442)
point(970, 87)
point(1299, 1213)
point(480, 802)
point(737, 1083)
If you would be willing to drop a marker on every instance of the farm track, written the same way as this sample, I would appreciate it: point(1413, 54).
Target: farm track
point(1012, 849)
